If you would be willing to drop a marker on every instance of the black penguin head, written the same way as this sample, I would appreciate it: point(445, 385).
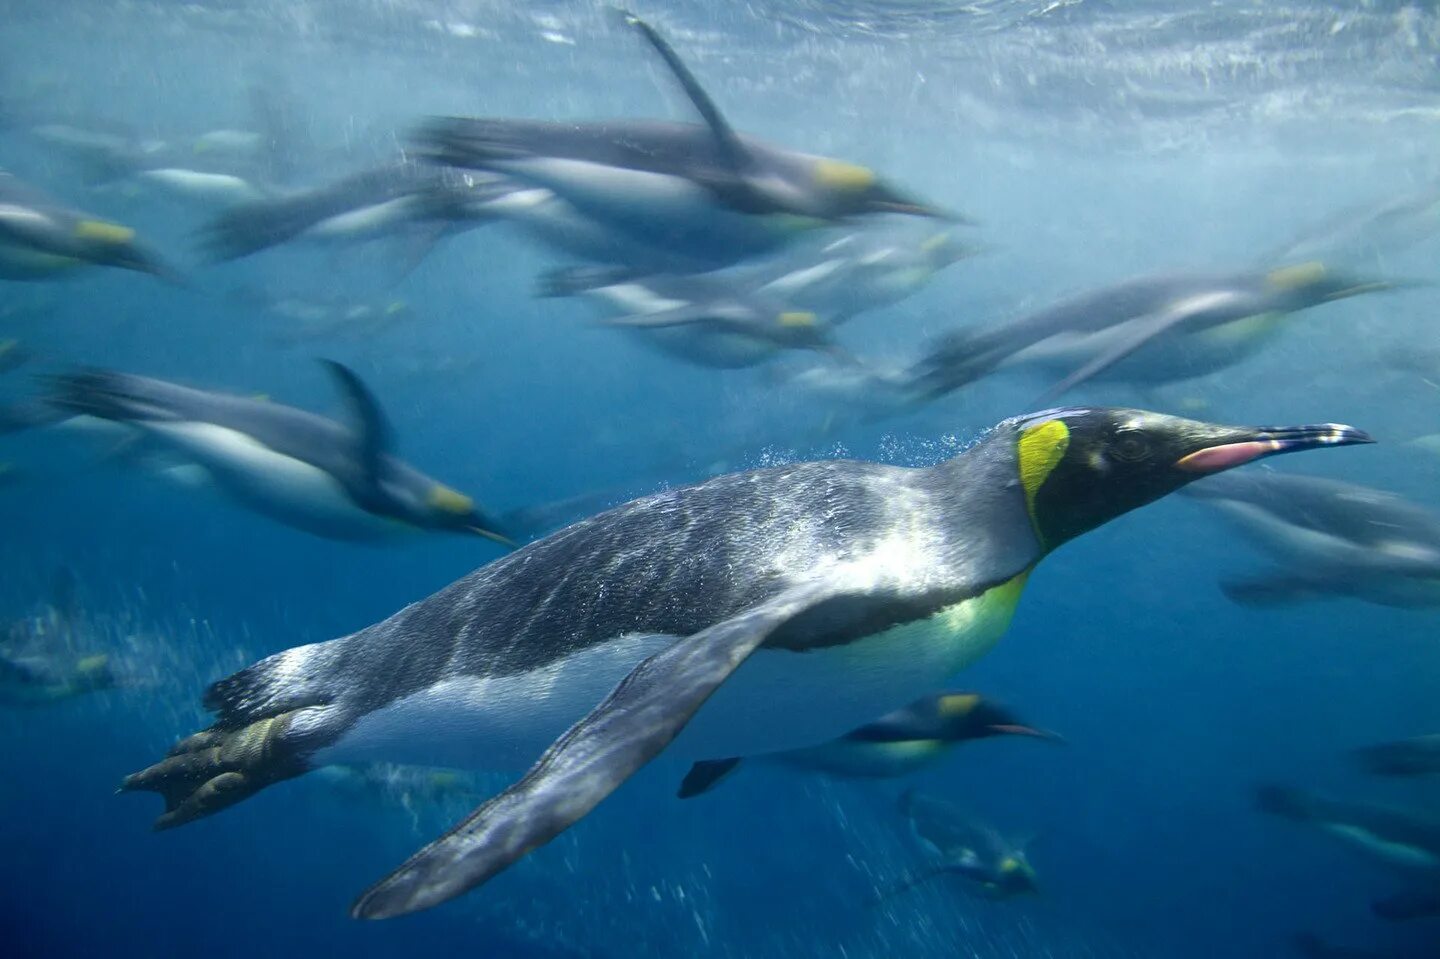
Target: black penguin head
point(432, 505)
point(1303, 285)
point(844, 189)
point(1082, 467)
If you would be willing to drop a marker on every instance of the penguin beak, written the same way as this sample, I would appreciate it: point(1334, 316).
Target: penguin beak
point(1015, 729)
point(1246, 445)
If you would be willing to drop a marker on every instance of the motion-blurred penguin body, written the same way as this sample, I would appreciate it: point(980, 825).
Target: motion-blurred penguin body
point(1330, 538)
point(699, 188)
point(832, 592)
point(1211, 321)
point(1405, 841)
point(41, 238)
point(1418, 756)
point(701, 319)
point(966, 847)
point(45, 658)
point(301, 469)
point(896, 744)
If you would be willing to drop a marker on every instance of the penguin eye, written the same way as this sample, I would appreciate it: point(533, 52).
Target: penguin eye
point(1130, 446)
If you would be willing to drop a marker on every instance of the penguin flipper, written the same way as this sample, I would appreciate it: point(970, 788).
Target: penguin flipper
point(373, 435)
point(687, 315)
point(727, 141)
point(1142, 331)
point(629, 728)
point(705, 776)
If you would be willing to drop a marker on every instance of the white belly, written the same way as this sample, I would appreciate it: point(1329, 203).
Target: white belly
point(279, 486)
point(1397, 855)
point(366, 222)
point(778, 700)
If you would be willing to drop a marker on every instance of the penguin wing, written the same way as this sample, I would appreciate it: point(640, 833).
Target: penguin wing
point(731, 150)
point(1142, 331)
point(629, 728)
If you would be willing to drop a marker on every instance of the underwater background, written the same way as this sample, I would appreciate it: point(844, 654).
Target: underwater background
point(1088, 141)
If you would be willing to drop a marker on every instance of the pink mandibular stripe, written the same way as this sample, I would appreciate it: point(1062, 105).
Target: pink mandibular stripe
point(1218, 458)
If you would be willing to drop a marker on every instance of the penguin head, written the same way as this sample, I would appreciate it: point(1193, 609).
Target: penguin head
point(111, 244)
point(971, 716)
point(1015, 875)
point(839, 189)
point(1082, 467)
point(1310, 284)
point(433, 505)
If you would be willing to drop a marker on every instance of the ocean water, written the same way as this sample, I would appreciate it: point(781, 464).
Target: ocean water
point(1087, 141)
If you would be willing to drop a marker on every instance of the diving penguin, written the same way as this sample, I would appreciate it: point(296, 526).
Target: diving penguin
point(341, 482)
point(1408, 842)
point(1329, 538)
point(41, 238)
point(1205, 321)
point(801, 580)
point(965, 847)
point(706, 319)
point(1418, 756)
point(896, 744)
point(48, 657)
point(703, 189)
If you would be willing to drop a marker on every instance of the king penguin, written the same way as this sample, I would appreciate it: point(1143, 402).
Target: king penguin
point(701, 188)
point(41, 238)
point(341, 482)
point(896, 744)
point(1329, 538)
point(1417, 756)
point(965, 847)
point(832, 592)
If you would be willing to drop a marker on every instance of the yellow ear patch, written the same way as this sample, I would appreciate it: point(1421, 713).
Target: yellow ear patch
point(1041, 448)
point(839, 175)
point(91, 664)
point(450, 501)
point(1294, 277)
point(960, 704)
point(104, 232)
point(796, 318)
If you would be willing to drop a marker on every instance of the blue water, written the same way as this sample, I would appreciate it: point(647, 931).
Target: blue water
point(1089, 141)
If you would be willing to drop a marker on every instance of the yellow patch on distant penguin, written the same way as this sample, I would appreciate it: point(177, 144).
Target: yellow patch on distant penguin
point(449, 500)
point(796, 318)
point(1299, 275)
point(104, 232)
point(839, 175)
point(959, 704)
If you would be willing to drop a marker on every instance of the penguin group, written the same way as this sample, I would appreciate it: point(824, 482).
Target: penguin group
point(785, 619)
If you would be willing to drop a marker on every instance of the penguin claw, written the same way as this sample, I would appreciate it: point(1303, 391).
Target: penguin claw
point(217, 768)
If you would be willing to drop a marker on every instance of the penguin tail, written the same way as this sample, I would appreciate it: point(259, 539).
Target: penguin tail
point(1282, 801)
point(251, 227)
point(266, 728)
point(28, 415)
point(105, 394)
point(472, 142)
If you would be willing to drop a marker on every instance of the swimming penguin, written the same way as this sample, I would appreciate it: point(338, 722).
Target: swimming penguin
point(44, 658)
point(1215, 320)
point(966, 847)
point(305, 318)
point(1368, 231)
point(1330, 539)
point(896, 744)
point(1418, 756)
point(40, 238)
point(397, 199)
point(704, 319)
point(701, 188)
point(1408, 842)
point(861, 585)
point(201, 188)
point(306, 471)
